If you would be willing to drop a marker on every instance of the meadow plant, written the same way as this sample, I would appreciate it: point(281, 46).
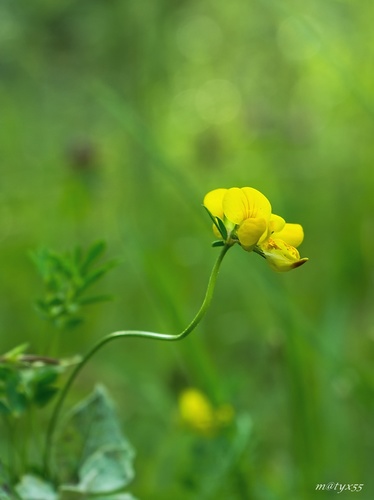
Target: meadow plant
point(86, 455)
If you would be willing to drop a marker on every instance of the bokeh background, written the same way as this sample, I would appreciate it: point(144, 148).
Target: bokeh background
point(115, 119)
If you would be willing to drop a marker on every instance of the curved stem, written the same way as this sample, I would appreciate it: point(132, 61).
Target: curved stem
point(127, 333)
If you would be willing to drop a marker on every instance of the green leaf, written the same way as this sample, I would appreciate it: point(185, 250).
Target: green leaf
point(104, 471)
point(28, 383)
point(95, 251)
point(218, 243)
point(15, 353)
point(33, 488)
point(95, 275)
point(66, 278)
point(92, 448)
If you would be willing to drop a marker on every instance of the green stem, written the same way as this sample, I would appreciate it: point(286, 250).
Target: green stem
point(128, 333)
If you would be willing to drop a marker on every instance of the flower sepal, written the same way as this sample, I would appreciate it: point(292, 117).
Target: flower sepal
point(218, 243)
point(218, 225)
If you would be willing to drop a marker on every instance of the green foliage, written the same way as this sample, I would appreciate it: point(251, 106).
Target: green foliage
point(66, 278)
point(22, 387)
point(94, 460)
point(27, 380)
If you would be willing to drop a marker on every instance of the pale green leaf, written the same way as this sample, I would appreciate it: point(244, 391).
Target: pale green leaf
point(92, 454)
point(105, 471)
point(33, 488)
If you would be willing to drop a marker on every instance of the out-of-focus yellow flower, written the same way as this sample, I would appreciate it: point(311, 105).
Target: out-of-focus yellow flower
point(198, 413)
point(244, 216)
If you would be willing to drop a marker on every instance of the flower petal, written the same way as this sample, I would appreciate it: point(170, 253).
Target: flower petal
point(276, 223)
point(280, 256)
point(240, 204)
point(292, 234)
point(250, 231)
point(258, 204)
point(213, 202)
point(235, 205)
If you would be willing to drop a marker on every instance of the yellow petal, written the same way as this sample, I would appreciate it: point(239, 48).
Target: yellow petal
point(280, 256)
point(240, 204)
point(213, 202)
point(292, 234)
point(235, 205)
point(276, 223)
point(250, 232)
point(258, 204)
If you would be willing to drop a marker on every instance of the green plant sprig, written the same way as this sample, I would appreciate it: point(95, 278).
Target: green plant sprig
point(66, 278)
point(125, 334)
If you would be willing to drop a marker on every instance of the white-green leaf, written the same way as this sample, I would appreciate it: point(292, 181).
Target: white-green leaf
point(92, 454)
point(33, 488)
point(105, 471)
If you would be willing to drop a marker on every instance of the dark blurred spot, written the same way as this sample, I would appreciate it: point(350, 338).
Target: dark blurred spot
point(82, 155)
point(209, 149)
point(178, 381)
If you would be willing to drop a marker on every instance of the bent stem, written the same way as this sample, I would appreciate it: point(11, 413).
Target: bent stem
point(127, 333)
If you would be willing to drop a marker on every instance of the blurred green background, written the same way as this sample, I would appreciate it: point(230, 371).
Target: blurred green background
point(115, 119)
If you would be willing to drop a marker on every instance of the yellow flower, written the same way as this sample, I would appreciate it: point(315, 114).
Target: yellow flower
point(200, 415)
point(243, 212)
point(279, 249)
point(243, 215)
